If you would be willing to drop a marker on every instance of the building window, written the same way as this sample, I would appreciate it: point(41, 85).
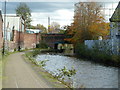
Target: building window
point(12, 34)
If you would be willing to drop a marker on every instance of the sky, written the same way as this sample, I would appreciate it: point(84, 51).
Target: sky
point(61, 12)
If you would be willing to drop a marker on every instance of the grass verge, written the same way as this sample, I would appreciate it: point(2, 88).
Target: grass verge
point(49, 77)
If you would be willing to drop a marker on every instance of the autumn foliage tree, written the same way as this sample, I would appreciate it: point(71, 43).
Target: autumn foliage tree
point(88, 22)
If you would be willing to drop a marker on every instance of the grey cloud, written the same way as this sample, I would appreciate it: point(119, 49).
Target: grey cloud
point(39, 6)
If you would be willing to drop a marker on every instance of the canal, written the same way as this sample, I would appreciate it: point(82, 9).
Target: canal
point(88, 75)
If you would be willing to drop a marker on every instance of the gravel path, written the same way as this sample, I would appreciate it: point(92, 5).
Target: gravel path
point(19, 74)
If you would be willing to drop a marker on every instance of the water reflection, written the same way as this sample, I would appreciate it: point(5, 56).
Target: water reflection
point(89, 75)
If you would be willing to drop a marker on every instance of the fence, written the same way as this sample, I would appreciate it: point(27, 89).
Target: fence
point(111, 46)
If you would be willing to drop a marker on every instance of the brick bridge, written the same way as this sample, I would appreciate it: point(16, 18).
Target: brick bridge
point(53, 39)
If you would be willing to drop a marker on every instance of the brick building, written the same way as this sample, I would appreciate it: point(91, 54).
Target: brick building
point(16, 37)
point(14, 30)
point(30, 40)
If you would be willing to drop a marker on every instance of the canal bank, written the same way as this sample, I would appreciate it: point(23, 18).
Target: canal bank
point(88, 74)
point(85, 54)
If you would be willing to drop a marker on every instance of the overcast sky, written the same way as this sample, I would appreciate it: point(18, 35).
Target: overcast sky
point(61, 12)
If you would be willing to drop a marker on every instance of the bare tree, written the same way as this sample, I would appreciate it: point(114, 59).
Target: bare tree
point(54, 27)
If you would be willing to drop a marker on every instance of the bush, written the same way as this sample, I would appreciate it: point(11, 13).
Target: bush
point(42, 45)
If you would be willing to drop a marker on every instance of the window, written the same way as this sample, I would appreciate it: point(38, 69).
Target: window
point(12, 34)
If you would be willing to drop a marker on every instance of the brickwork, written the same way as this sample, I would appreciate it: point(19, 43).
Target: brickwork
point(17, 39)
point(30, 40)
point(24, 40)
point(51, 39)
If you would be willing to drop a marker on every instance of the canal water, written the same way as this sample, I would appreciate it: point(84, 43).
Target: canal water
point(88, 75)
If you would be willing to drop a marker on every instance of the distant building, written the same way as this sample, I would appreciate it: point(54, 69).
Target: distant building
point(33, 31)
point(1, 30)
point(115, 29)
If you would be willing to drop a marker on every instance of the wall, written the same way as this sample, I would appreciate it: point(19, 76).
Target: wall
point(30, 40)
point(109, 45)
point(115, 35)
point(24, 40)
point(18, 39)
point(13, 23)
point(115, 30)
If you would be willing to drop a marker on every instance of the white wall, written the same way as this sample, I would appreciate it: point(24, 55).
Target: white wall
point(13, 21)
point(109, 45)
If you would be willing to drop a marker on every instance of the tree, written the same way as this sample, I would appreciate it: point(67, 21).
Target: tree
point(32, 27)
point(24, 11)
point(54, 27)
point(88, 22)
point(41, 27)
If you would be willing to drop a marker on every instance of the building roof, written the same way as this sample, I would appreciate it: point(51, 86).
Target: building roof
point(116, 15)
point(33, 30)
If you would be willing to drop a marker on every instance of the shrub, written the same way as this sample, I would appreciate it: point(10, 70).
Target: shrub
point(42, 63)
point(64, 72)
point(42, 45)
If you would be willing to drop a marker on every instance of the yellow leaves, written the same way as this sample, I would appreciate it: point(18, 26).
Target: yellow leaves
point(68, 39)
point(88, 23)
point(99, 29)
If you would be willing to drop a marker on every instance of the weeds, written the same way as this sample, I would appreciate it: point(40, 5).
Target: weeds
point(65, 72)
point(42, 63)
